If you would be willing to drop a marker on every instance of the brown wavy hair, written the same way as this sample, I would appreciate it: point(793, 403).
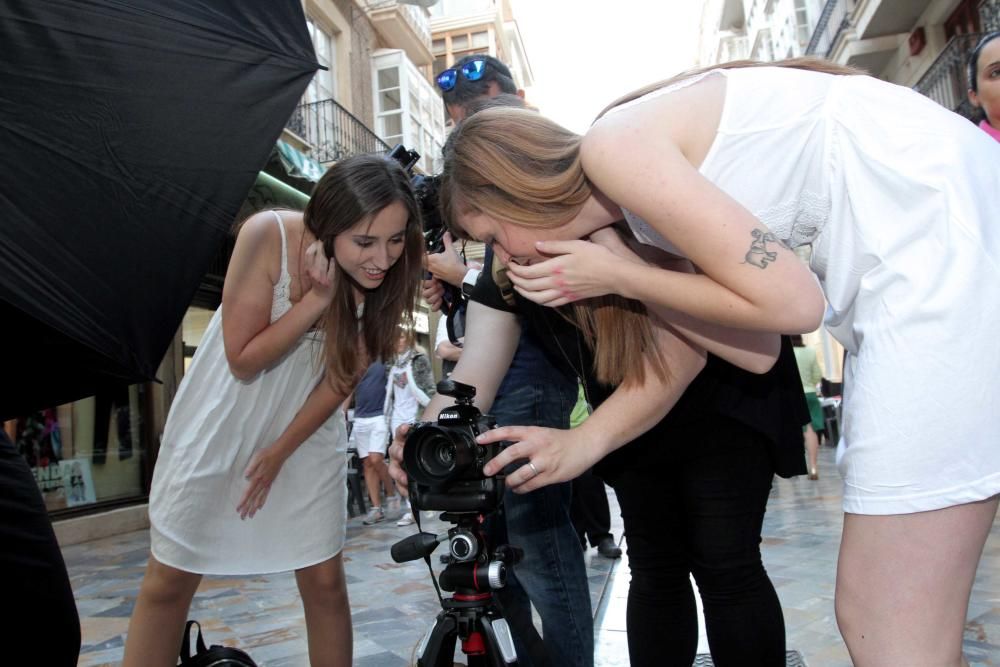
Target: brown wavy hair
point(354, 190)
point(541, 184)
point(519, 167)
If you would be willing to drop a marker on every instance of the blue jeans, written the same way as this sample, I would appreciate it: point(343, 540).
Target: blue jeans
point(552, 573)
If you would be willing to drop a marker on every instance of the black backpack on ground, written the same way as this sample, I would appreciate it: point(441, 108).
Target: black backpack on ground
point(213, 656)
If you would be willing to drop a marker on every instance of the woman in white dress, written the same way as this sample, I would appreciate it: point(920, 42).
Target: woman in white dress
point(250, 474)
point(730, 167)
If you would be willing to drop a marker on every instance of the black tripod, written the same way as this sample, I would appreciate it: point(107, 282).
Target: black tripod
point(472, 614)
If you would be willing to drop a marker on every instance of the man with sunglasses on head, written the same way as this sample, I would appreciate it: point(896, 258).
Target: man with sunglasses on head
point(533, 393)
point(474, 77)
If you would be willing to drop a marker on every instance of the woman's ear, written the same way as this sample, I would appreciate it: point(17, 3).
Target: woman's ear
point(973, 98)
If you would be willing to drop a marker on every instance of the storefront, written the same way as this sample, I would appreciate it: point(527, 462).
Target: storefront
point(89, 453)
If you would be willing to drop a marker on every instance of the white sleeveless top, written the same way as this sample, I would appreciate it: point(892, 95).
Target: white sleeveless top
point(216, 423)
point(898, 198)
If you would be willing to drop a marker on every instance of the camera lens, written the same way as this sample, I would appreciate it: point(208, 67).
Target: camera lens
point(434, 455)
point(437, 456)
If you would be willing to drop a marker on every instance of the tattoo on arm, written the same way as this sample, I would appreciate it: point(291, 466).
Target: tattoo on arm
point(758, 254)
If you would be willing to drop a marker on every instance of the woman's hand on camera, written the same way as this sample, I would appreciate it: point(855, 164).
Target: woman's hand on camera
point(320, 269)
point(579, 270)
point(448, 265)
point(550, 455)
point(433, 292)
point(396, 459)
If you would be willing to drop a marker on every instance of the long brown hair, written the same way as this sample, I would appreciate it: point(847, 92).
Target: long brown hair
point(354, 190)
point(541, 183)
point(519, 167)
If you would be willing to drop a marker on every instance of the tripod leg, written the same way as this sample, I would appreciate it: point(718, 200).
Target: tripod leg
point(438, 647)
point(499, 642)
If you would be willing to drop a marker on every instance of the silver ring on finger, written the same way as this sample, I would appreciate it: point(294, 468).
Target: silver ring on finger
point(533, 468)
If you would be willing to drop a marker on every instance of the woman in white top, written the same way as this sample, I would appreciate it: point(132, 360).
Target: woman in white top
point(729, 167)
point(250, 474)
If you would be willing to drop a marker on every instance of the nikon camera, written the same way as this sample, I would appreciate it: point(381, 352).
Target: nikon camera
point(444, 463)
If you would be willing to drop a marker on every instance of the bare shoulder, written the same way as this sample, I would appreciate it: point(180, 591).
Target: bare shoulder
point(259, 240)
point(685, 119)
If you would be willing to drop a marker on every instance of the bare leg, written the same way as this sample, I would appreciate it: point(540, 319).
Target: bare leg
point(328, 613)
point(812, 451)
point(903, 584)
point(371, 481)
point(382, 470)
point(377, 472)
point(157, 625)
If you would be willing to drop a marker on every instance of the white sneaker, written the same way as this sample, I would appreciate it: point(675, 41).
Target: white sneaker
point(406, 519)
point(375, 515)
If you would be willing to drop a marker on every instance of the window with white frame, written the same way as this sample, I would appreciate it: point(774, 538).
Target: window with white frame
point(408, 108)
point(324, 83)
point(802, 23)
point(388, 104)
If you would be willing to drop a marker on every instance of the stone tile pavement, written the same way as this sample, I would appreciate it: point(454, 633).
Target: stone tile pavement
point(392, 605)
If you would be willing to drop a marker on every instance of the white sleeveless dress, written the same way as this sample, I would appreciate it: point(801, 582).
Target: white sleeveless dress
point(216, 423)
point(899, 199)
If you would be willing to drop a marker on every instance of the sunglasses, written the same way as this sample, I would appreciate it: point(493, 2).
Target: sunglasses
point(474, 70)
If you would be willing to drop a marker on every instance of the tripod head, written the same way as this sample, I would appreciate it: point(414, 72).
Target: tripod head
point(472, 572)
point(471, 565)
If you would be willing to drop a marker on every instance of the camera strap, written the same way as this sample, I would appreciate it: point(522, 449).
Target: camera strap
point(427, 559)
point(502, 282)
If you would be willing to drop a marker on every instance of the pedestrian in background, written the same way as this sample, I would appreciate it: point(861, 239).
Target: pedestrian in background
point(371, 438)
point(811, 374)
point(409, 386)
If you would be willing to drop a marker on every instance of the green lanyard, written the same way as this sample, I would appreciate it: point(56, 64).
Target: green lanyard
point(582, 409)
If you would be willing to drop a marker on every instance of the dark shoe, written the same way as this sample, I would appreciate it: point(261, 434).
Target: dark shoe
point(608, 548)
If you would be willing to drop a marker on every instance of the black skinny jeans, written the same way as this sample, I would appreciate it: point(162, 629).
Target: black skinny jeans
point(40, 609)
point(694, 503)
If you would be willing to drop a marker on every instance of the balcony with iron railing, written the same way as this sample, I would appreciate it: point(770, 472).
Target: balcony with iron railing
point(833, 20)
point(946, 81)
point(333, 132)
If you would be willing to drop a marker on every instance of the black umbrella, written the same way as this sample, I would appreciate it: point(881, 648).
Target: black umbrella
point(130, 133)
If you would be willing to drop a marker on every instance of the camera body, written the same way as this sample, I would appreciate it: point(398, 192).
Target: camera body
point(444, 463)
point(425, 189)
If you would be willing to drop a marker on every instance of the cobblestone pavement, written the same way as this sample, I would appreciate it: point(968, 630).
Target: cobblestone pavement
point(392, 605)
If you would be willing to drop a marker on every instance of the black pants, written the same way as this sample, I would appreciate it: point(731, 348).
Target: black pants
point(40, 610)
point(694, 503)
point(590, 512)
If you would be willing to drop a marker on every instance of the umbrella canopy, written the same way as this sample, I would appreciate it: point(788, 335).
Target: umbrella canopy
point(131, 132)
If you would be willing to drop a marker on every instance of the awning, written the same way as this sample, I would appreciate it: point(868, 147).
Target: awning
point(298, 164)
point(269, 192)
